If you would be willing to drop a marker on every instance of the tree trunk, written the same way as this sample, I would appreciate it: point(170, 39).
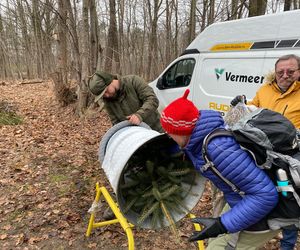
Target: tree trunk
point(94, 40)
point(287, 5)
point(168, 32)
point(112, 41)
point(211, 14)
point(257, 7)
point(121, 4)
point(83, 90)
point(60, 78)
point(152, 54)
point(234, 10)
point(37, 26)
point(192, 22)
point(76, 65)
point(26, 40)
point(204, 15)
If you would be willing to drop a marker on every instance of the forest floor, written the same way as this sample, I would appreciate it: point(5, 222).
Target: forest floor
point(48, 170)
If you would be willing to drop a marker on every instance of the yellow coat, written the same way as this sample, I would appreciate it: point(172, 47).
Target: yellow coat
point(270, 96)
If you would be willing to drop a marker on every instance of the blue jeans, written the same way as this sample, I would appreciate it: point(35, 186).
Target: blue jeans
point(289, 239)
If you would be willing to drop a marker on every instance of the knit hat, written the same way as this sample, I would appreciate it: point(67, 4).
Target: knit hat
point(99, 81)
point(180, 116)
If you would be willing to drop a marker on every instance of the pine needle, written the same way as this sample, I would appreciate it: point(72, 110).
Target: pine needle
point(147, 213)
point(169, 219)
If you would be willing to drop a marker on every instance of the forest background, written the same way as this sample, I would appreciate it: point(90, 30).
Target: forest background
point(67, 40)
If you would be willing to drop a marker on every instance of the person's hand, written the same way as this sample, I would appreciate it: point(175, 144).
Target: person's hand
point(134, 119)
point(212, 228)
point(237, 99)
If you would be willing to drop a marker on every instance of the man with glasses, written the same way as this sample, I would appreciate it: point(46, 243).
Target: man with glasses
point(281, 94)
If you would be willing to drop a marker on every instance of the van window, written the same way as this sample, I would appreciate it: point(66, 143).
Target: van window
point(179, 75)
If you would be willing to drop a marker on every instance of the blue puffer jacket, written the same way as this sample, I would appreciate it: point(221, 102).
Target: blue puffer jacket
point(239, 168)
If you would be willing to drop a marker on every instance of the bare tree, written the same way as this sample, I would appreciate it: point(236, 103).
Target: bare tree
point(211, 13)
point(76, 64)
point(37, 27)
point(26, 39)
point(83, 90)
point(257, 7)
point(287, 5)
point(121, 13)
point(192, 22)
point(153, 11)
point(204, 15)
point(60, 76)
point(112, 41)
point(94, 40)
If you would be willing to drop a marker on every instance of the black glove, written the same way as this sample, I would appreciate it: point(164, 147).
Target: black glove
point(212, 228)
point(237, 99)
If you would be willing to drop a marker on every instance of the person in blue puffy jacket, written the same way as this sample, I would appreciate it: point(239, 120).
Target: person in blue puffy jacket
point(188, 127)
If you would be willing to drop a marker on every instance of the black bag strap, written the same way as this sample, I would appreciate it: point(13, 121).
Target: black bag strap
point(209, 163)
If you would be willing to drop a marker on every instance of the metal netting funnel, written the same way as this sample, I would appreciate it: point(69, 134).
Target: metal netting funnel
point(124, 141)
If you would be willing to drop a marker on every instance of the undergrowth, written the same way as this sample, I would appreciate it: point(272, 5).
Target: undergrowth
point(8, 115)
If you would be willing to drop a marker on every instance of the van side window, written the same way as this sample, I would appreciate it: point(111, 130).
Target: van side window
point(179, 75)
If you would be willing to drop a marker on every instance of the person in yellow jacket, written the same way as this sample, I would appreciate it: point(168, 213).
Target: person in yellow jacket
point(281, 93)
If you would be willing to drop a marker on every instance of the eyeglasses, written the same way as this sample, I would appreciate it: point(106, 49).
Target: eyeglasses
point(289, 72)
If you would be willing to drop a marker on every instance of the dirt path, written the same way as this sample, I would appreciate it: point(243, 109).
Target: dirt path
point(48, 171)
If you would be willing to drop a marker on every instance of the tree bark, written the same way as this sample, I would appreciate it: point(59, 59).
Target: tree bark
point(257, 7)
point(152, 54)
point(83, 90)
point(287, 5)
point(76, 66)
point(112, 41)
point(192, 22)
point(94, 40)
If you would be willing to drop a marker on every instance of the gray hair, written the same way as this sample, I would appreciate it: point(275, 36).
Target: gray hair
point(287, 57)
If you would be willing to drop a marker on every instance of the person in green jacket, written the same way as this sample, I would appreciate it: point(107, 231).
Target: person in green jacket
point(126, 98)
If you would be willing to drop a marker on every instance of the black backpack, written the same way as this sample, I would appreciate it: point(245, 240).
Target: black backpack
point(272, 141)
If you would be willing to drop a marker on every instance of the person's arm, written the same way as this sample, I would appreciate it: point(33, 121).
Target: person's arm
point(147, 96)
point(239, 168)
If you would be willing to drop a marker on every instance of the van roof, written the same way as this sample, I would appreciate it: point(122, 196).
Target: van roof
point(259, 32)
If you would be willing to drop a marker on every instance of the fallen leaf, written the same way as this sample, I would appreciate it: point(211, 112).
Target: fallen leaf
point(3, 236)
point(92, 245)
point(6, 227)
point(34, 240)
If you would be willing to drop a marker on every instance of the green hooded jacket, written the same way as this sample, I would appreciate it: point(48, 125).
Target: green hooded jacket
point(134, 97)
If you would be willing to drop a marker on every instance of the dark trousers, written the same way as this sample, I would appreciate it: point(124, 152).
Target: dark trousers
point(289, 239)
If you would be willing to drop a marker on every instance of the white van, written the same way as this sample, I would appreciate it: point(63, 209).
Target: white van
point(228, 59)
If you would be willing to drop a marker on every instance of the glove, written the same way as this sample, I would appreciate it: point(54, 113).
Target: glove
point(212, 228)
point(237, 99)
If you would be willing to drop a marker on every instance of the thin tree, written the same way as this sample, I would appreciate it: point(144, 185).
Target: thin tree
point(153, 11)
point(83, 90)
point(192, 21)
point(94, 39)
point(257, 7)
point(112, 40)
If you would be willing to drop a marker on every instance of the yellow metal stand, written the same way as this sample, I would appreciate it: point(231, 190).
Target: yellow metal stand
point(119, 218)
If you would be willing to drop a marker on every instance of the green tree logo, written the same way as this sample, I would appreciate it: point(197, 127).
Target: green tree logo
point(219, 72)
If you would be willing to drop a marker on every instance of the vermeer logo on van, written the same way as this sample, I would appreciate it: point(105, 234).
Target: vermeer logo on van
point(230, 77)
point(243, 78)
point(219, 72)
